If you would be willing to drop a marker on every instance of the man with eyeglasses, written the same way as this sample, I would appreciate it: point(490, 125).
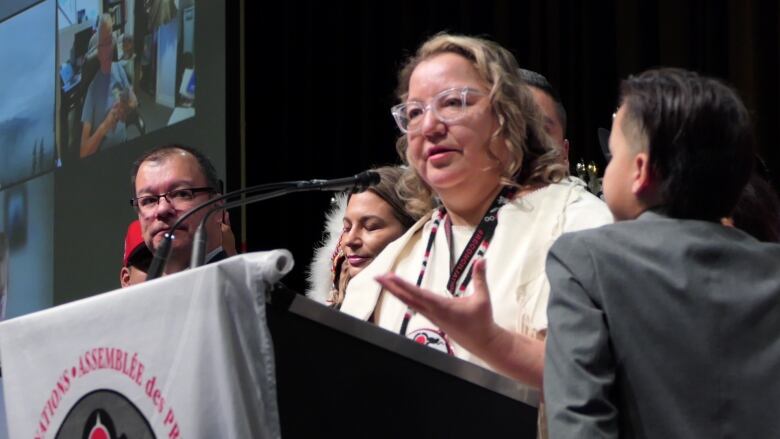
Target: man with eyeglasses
point(168, 181)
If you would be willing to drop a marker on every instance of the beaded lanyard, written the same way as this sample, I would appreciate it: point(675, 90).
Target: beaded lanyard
point(477, 246)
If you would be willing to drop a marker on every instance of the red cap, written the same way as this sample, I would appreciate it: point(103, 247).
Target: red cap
point(134, 241)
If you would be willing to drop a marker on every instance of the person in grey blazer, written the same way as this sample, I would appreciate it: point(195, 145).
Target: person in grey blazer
point(666, 324)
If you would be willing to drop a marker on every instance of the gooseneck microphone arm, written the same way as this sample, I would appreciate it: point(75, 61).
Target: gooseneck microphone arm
point(198, 255)
point(364, 179)
point(163, 252)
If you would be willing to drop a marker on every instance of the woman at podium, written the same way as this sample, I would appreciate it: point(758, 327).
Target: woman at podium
point(474, 141)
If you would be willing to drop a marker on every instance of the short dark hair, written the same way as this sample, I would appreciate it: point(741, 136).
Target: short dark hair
point(535, 79)
point(698, 136)
point(163, 151)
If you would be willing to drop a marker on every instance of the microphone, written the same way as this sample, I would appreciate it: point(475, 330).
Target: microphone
point(163, 252)
point(273, 190)
point(357, 182)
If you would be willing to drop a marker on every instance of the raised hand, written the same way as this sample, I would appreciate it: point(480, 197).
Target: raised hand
point(466, 320)
point(469, 322)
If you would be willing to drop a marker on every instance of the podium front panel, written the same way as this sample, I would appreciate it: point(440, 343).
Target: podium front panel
point(341, 377)
point(184, 356)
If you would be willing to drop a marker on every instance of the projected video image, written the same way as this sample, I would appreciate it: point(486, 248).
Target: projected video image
point(27, 95)
point(126, 68)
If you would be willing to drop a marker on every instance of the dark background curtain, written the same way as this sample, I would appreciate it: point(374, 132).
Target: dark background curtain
point(320, 79)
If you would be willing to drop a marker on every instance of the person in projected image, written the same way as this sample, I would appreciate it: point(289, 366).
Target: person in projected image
point(128, 57)
point(109, 98)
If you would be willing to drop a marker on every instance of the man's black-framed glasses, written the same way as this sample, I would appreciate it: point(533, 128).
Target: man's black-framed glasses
point(178, 198)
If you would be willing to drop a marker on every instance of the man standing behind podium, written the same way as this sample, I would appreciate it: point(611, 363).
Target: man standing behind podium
point(168, 181)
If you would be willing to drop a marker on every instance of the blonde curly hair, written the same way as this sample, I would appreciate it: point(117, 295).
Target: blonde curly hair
point(534, 161)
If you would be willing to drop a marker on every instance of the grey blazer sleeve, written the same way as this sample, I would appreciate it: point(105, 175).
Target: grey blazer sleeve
point(579, 370)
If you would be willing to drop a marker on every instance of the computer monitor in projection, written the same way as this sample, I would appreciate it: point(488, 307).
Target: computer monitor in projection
point(27, 147)
point(126, 69)
point(64, 230)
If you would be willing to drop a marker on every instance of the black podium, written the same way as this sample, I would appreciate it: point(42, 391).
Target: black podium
point(338, 376)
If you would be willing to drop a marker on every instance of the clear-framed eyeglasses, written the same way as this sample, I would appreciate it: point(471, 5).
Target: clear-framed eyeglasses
point(179, 199)
point(448, 106)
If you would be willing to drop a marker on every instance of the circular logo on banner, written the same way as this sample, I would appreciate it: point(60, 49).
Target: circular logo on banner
point(431, 338)
point(104, 414)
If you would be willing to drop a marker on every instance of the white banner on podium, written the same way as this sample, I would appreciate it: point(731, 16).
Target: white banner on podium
point(184, 356)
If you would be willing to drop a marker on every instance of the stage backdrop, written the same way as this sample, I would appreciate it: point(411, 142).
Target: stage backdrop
point(320, 78)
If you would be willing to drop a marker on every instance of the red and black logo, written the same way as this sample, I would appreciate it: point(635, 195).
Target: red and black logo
point(431, 338)
point(104, 414)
